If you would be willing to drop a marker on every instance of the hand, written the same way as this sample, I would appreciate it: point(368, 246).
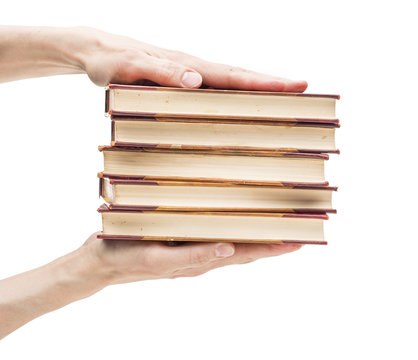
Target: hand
point(120, 59)
point(121, 261)
point(27, 52)
point(99, 263)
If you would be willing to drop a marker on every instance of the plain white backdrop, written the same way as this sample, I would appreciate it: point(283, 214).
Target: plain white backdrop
point(355, 298)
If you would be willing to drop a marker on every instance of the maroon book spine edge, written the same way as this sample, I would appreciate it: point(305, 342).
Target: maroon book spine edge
point(105, 208)
point(116, 207)
point(216, 148)
point(213, 117)
point(212, 151)
point(101, 180)
point(132, 180)
point(231, 182)
point(305, 122)
point(107, 94)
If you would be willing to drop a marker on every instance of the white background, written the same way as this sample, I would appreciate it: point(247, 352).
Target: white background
point(355, 298)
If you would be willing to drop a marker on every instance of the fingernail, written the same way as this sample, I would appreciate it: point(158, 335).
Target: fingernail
point(224, 250)
point(191, 79)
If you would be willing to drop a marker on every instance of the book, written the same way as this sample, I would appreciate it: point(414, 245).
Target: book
point(239, 136)
point(212, 165)
point(169, 164)
point(154, 101)
point(213, 227)
point(211, 197)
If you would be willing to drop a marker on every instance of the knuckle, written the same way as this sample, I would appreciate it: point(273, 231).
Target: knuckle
point(199, 258)
point(174, 276)
point(167, 71)
point(130, 54)
point(235, 74)
point(190, 271)
point(175, 53)
point(178, 55)
point(234, 70)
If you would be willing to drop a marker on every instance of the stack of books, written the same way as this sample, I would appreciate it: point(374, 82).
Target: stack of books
point(217, 165)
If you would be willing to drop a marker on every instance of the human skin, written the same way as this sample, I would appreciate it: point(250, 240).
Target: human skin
point(27, 52)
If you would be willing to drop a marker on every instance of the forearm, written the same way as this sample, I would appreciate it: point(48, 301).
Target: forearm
point(27, 52)
point(31, 294)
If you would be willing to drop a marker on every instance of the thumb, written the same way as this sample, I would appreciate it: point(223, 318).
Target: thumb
point(169, 73)
point(197, 254)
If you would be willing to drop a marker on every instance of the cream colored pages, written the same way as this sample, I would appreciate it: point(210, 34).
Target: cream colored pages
point(187, 103)
point(262, 168)
point(212, 226)
point(220, 197)
point(159, 132)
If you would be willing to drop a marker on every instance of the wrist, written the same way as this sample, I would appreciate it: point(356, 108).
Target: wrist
point(83, 269)
point(65, 48)
point(70, 47)
point(53, 49)
point(81, 273)
point(98, 261)
point(84, 43)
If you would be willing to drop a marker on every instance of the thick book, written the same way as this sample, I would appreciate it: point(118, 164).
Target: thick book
point(213, 166)
point(223, 136)
point(155, 101)
point(203, 196)
point(213, 226)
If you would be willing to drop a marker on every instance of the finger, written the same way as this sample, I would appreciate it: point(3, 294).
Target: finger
point(168, 73)
point(250, 252)
point(223, 76)
point(191, 255)
point(229, 77)
point(246, 253)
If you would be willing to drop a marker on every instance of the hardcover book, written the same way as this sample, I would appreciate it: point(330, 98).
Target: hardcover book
point(155, 101)
point(213, 166)
point(204, 196)
point(204, 135)
point(207, 226)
